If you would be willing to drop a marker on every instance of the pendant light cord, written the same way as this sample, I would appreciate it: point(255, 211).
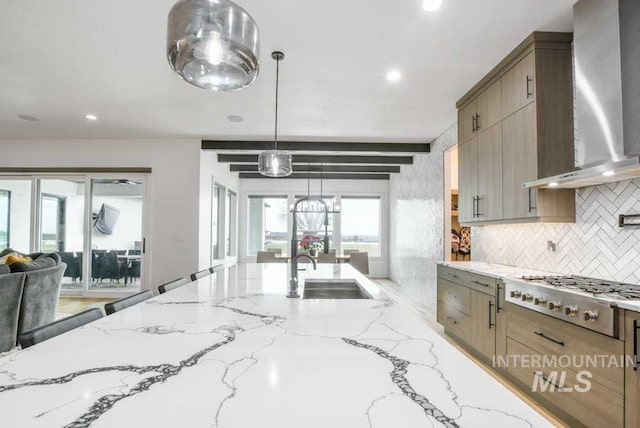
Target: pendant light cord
point(277, 85)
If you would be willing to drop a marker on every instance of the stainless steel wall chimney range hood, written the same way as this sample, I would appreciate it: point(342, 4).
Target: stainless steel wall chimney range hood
point(607, 98)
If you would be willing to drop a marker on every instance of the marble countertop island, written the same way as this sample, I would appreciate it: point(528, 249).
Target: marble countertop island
point(231, 350)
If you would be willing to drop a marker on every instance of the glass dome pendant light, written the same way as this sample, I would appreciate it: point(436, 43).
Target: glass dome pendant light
point(213, 44)
point(275, 163)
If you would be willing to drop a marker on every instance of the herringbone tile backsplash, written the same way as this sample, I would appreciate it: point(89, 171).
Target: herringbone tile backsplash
point(594, 246)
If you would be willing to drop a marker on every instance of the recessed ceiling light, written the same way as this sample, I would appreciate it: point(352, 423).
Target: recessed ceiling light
point(28, 117)
point(553, 184)
point(394, 76)
point(431, 5)
point(235, 118)
point(91, 117)
point(609, 173)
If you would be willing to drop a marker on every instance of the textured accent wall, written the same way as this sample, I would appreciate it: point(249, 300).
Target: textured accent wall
point(594, 246)
point(416, 223)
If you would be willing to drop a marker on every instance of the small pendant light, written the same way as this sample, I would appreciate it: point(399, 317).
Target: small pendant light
point(275, 163)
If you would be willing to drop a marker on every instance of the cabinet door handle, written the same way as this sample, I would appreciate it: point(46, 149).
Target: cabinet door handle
point(452, 320)
point(477, 121)
point(635, 345)
point(451, 294)
point(531, 206)
point(480, 283)
point(557, 342)
point(498, 299)
point(490, 310)
point(529, 93)
point(478, 213)
point(474, 207)
point(473, 123)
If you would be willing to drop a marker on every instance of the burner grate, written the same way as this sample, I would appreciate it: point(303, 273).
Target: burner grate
point(597, 287)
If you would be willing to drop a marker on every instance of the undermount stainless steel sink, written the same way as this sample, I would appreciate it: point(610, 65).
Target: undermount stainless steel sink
point(333, 289)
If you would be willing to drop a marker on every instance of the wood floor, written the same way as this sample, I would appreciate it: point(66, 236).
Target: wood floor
point(73, 305)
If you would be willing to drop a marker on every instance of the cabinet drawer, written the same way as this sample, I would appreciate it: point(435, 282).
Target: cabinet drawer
point(550, 336)
point(482, 283)
point(454, 275)
point(597, 407)
point(453, 321)
point(454, 295)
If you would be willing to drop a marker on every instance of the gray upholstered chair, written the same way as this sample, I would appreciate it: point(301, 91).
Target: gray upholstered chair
point(200, 275)
point(11, 287)
point(266, 257)
point(40, 294)
point(118, 305)
point(172, 285)
point(327, 258)
point(360, 261)
point(56, 328)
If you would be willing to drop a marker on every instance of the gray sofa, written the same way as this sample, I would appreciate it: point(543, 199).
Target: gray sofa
point(28, 295)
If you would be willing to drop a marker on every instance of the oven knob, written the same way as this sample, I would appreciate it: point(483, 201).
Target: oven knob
point(540, 301)
point(571, 310)
point(527, 297)
point(515, 293)
point(555, 305)
point(590, 316)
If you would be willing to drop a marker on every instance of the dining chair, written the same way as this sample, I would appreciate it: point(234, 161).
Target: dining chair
point(348, 252)
point(360, 261)
point(327, 258)
point(172, 285)
point(200, 275)
point(56, 328)
point(121, 304)
point(266, 257)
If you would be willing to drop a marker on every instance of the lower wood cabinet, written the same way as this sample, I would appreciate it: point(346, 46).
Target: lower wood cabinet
point(483, 324)
point(473, 311)
point(467, 309)
point(632, 372)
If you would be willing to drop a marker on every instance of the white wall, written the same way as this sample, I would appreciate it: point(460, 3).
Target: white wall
point(172, 201)
point(378, 266)
point(211, 171)
point(416, 207)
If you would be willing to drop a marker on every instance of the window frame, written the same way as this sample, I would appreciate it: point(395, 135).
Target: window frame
point(7, 193)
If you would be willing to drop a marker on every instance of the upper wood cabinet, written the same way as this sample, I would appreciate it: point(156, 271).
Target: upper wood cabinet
point(520, 117)
point(518, 85)
point(467, 122)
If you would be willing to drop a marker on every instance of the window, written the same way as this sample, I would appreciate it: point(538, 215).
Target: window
point(231, 223)
point(52, 222)
point(268, 224)
point(360, 218)
point(5, 209)
point(215, 222)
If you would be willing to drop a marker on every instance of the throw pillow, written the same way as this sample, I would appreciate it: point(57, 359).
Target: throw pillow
point(4, 269)
point(42, 263)
point(3, 259)
point(14, 259)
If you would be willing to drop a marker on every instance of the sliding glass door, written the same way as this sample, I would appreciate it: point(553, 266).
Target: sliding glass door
point(61, 211)
point(116, 234)
point(94, 222)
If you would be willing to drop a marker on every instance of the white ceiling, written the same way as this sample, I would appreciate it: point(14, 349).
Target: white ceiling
point(63, 59)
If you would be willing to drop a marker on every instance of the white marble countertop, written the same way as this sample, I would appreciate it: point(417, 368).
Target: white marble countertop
point(494, 270)
point(512, 272)
point(231, 350)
